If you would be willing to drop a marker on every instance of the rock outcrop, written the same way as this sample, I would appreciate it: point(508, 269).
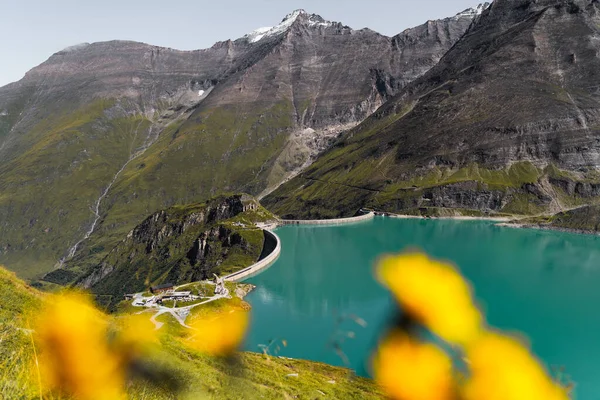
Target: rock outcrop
point(178, 245)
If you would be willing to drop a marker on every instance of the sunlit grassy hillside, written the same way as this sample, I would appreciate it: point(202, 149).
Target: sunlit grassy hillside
point(198, 376)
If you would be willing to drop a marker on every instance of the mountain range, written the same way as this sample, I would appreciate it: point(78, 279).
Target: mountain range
point(102, 135)
point(494, 111)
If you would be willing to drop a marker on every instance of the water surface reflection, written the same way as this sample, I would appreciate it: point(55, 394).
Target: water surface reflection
point(542, 283)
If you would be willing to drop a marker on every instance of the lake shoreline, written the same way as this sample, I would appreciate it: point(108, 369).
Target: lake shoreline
point(551, 228)
point(454, 217)
point(502, 222)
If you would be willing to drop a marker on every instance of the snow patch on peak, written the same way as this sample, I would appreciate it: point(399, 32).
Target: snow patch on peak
point(284, 25)
point(315, 20)
point(291, 17)
point(473, 11)
point(75, 47)
point(257, 34)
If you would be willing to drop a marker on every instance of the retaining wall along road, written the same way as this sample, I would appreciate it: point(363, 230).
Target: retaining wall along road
point(260, 265)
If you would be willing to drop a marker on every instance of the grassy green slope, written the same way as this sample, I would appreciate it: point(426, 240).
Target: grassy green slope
point(55, 182)
point(59, 168)
point(223, 149)
point(363, 169)
point(346, 179)
point(17, 303)
point(256, 377)
point(11, 112)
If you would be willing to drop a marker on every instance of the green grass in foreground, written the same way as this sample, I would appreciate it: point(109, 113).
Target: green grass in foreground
point(246, 376)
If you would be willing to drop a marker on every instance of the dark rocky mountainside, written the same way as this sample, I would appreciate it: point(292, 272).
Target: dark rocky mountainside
point(102, 135)
point(508, 121)
point(179, 245)
point(584, 219)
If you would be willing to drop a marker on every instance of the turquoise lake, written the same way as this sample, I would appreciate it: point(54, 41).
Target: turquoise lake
point(545, 285)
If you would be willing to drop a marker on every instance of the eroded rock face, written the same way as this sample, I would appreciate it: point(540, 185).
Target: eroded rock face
point(516, 87)
point(467, 195)
point(520, 86)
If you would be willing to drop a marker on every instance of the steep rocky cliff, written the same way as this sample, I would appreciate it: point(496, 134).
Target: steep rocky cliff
point(102, 135)
point(507, 121)
point(178, 245)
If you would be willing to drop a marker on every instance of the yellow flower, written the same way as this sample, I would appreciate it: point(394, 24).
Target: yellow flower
point(75, 358)
point(220, 334)
point(502, 369)
point(135, 337)
point(434, 294)
point(410, 370)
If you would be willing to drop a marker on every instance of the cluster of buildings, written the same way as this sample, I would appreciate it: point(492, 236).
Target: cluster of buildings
point(161, 293)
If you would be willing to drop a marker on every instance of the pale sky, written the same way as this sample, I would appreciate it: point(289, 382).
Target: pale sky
point(31, 31)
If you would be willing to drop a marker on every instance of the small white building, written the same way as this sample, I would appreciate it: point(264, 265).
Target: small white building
point(179, 294)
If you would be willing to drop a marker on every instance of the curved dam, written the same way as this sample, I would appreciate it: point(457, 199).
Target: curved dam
point(273, 247)
point(337, 221)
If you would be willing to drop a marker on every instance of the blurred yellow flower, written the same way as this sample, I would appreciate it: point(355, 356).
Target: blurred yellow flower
point(502, 369)
point(220, 334)
point(434, 294)
point(410, 370)
point(74, 356)
point(136, 336)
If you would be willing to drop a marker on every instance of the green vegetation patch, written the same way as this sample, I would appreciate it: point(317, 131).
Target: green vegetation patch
point(18, 302)
point(513, 176)
point(339, 192)
point(65, 163)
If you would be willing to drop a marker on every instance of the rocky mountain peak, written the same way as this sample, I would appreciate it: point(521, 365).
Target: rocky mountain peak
point(291, 17)
point(473, 11)
point(300, 15)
